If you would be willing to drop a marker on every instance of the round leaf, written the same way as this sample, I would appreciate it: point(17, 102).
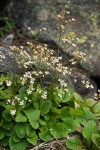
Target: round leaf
point(20, 129)
point(74, 143)
point(45, 107)
point(20, 117)
point(6, 115)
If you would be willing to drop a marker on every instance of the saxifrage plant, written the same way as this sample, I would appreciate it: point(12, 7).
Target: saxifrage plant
point(35, 111)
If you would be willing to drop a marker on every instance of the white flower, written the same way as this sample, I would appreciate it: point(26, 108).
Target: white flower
point(29, 91)
point(87, 86)
point(21, 102)
point(91, 86)
point(59, 95)
point(9, 100)
point(44, 95)
point(8, 83)
point(13, 112)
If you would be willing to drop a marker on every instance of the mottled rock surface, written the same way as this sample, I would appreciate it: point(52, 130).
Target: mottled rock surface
point(40, 14)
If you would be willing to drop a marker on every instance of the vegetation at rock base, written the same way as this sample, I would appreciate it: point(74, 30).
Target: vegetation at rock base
point(33, 112)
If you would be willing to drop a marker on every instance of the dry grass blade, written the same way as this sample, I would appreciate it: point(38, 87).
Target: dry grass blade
point(53, 145)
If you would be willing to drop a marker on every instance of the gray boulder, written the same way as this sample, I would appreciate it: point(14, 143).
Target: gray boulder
point(39, 14)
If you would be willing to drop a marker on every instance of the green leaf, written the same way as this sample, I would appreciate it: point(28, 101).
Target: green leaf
point(89, 102)
point(77, 97)
point(96, 139)
point(22, 90)
point(58, 131)
point(33, 140)
point(1, 121)
point(86, 116)
point(45, 107)
point(76, 112)
point(96, 108)
point(52, 121)
point(89, 115)
point(45, 135)
point(5, 141)
point(7, 125)
point(20, 117)
point(21, 145)
point(32, 114)
point(6, 115)
point(89, 129)
point(20, 129)
point(9, 132)
point(16, 138)
point(34, 124)
point(71, 124)
point(42, 122)
point(1, 133)
point(74, 143)
point(64, 112)
point(30, 131)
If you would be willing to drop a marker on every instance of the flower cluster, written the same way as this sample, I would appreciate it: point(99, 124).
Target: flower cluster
point(87, 84)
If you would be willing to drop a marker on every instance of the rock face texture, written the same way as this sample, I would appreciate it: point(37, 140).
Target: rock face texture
point(39, 14)
point(41, 17)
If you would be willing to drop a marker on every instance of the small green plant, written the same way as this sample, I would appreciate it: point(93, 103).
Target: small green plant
point(6, 26)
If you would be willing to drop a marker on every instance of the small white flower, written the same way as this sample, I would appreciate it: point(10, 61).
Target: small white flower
point(8, 83)
point(91, 86)
point(44, 95)
point(13, 112)
point(21, 102)
point(59, 95)
point(9, 100)
point(87, 86)
point(29, 91)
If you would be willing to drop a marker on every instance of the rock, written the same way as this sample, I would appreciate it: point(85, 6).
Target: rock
point(7, 61)
point(39, 14)
point(8, 39)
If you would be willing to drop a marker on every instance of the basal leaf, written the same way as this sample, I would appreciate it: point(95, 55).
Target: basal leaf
point(96, 139)
point(20, 129)
point(77, 97)
point(6, 115)
point(1, 121)
point(34, 124)
point(33, 140)
point(96, 108)
point(71, 124)
point(45, 107)
point(21, 145)
point(22, 90)
point(7, 125)
point(20, 117)
point(32, 113)
point(16, 138)
point(89, 102)
point(42, 122)
point(1, 133)
point(45, 135)
point(30, 132)
point(5, 141)
point(74, 143)
point(89, 129)
point(58, 131)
